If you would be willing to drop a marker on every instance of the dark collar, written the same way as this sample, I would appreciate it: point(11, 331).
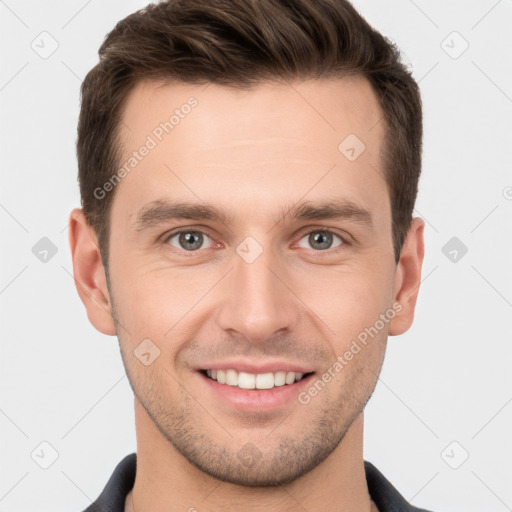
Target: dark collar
point(113, 497)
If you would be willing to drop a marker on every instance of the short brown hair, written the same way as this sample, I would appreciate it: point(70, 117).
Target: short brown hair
point(241, 43)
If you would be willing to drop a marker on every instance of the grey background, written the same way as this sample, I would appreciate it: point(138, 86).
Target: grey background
point(446, 387)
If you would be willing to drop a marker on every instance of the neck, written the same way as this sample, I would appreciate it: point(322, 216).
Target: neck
point(166, 481)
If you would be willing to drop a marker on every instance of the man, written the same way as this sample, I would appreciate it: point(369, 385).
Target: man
point(248, 171)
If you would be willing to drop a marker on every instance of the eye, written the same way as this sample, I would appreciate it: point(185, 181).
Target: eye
point(321, 239)
point(187, 240)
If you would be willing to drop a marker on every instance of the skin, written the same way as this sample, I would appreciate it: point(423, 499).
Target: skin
point(251, 152)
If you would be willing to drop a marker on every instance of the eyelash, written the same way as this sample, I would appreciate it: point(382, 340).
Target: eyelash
point(167, 236)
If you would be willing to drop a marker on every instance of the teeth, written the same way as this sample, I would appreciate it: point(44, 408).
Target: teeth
point(221, 376)
point(231, 378)
point(290, 378)
point(246, 380)
point(279, 378)
point(264, 381)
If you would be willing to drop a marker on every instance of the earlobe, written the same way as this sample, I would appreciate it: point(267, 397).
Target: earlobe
point(89, 273)
point(408, 278)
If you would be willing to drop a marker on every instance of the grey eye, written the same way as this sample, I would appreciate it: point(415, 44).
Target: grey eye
point(321, 240)
point(188, 240)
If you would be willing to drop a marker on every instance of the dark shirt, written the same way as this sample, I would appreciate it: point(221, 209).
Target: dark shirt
point(113, 497)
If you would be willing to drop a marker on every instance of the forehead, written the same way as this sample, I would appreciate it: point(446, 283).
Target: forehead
point(323, 105)
point(252, 147)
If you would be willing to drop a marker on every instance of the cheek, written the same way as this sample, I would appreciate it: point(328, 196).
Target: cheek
point(347, 300)
point(157, 302)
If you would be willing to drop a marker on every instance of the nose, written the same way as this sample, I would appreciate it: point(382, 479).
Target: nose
point(258, 302)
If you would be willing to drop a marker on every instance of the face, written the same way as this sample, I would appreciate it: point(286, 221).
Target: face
point(247, 243)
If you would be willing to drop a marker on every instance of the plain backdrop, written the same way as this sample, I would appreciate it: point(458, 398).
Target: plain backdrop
point(438, 425)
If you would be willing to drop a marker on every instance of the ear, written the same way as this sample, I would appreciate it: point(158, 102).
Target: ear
point(408, 278)
point(89, 273)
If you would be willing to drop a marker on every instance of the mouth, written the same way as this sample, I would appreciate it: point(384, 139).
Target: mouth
point(249, 387)
point(254, 381)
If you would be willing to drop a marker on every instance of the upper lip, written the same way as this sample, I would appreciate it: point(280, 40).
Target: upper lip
point(261, 367)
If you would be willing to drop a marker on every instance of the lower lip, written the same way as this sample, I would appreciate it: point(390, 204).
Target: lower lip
point(251, 400)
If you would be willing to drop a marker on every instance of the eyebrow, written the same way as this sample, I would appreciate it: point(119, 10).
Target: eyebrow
point(160, 211)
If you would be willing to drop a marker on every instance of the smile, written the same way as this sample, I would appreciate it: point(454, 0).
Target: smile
point(245, 380)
